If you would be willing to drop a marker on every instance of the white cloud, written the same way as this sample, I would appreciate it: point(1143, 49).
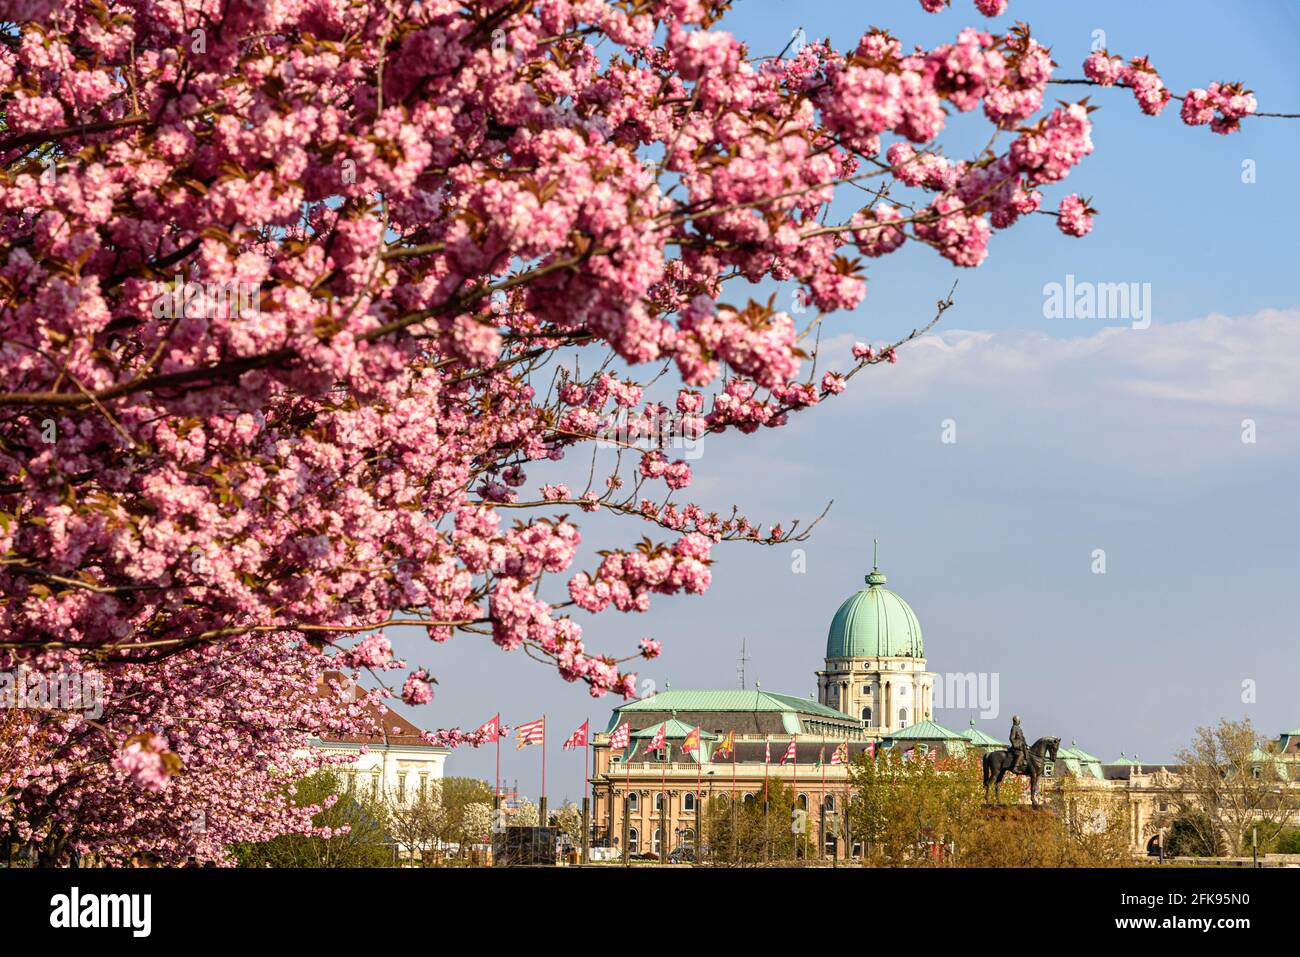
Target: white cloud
point(1247, 364)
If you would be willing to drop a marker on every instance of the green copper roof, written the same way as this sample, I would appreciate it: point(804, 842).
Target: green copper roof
point(1260, 756)
point(926, 730)
point(728, 699)
point(1079, 762)
point(980, 739)
point(673, 731)
point(875, 623)
point(1081, 754)
point(1125, 759)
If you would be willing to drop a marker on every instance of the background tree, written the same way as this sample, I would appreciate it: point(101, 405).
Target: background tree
point(525, 814)
point(476, 824)
point(1192, 833)
point(417, 823)
point(1231, 780)
point(353, 830)
point(915, 812)
point(749, 836)
point(568, 818)
point(923, 813)
point(461, 825)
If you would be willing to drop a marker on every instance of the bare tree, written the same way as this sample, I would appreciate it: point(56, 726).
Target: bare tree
point(1231, 782)
point(416, 824)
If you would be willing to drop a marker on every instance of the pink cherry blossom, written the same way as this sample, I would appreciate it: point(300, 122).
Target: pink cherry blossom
point(1074, 217)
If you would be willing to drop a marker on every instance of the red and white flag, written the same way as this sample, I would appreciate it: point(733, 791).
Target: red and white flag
point(789, 751)
point(767, 751)
point(492, 728)
point(578, 739)
point(622, 734)
point(841, 754)
point(871, 748)
point(660, 738)
point(534, 732)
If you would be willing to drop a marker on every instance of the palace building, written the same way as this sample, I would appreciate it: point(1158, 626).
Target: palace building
point(873, 692)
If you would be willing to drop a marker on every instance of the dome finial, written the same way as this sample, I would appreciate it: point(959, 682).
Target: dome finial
point(875, 578)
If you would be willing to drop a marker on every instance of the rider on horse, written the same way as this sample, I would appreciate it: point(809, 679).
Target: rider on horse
point(1019, 750)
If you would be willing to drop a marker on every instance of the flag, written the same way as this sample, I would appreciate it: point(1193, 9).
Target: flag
point(767, 751)
point(789, 752)
point(659, 739)
point(821, 756)
point(492, 728)
point(841, 754)
point(907, 755)
point(533, 732)
point(727, 746)
point(578, 739)
point(871, 748)
point(931, 755)
point(692, 742)
point(622, 734)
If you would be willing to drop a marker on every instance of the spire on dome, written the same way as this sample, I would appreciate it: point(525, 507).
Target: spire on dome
point(876, 577)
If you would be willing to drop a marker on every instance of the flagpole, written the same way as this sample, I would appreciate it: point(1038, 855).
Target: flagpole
point(585, 776)
point(627, 800)
point(794, 789)
point(733, 771)
point(699, 796)
point(767, 763)
point(497, 733)
point(821, 811)
point(663, 801)
point(543, 823)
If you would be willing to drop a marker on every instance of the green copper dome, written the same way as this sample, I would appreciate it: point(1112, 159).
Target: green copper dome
point(875, 623)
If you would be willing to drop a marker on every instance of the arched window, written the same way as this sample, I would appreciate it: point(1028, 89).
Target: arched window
point(657, 841)
point(830, 802)
point(688, 802)
point(634, 801)
point(659, 801)
point(902, 717)
point(749, 799)
point(632, 845)
point(803, 802)
point(866, 714)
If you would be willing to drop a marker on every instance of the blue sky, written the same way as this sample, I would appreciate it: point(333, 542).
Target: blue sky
point(1072, 435)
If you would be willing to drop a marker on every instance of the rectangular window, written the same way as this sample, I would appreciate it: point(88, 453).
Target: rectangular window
point(401, 787)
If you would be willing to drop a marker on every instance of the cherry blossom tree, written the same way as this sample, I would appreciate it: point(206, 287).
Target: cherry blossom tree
point(295, 295)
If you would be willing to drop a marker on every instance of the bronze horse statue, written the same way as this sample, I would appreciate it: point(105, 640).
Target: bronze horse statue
point(998, 763)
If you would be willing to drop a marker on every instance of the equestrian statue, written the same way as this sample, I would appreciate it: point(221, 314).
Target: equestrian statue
point(1019, 758)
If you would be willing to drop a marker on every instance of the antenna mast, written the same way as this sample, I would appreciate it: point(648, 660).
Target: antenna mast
point(740, 664)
